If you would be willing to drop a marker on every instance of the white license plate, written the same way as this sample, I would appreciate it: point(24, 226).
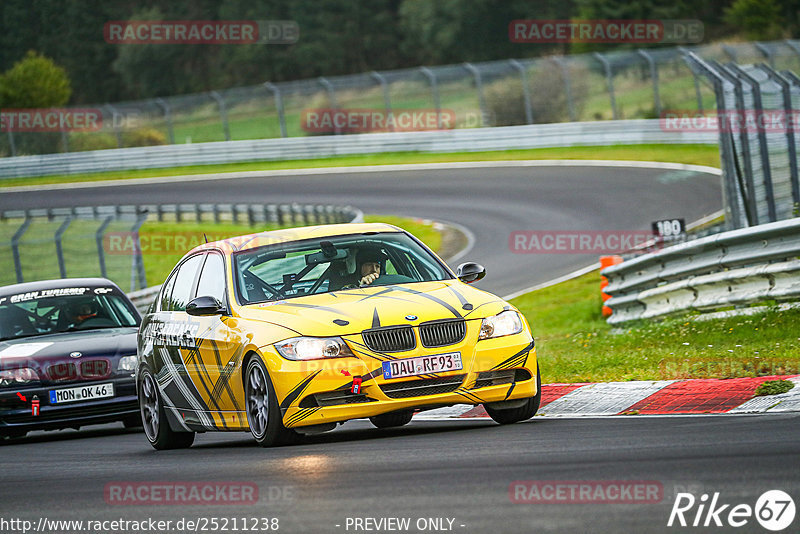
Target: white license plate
point(89, 392)
point(422, 365)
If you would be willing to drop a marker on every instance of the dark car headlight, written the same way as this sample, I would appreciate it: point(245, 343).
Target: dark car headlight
point(15, 377)
point(127, 363)
point(505, 323)
point(313, 348)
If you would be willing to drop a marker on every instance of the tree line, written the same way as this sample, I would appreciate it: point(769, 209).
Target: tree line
point(336, 37)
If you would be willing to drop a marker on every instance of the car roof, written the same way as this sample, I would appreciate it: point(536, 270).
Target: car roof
point(61, 283)
point(286, 235)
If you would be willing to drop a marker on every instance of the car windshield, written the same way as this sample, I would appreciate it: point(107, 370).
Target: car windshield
point(288, 270)
point(52, 311)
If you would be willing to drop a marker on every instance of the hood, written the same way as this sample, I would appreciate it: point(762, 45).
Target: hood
point(40, 352)
point(351, 311)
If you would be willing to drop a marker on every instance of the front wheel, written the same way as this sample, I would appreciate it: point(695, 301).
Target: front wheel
point(508, 416)
point(392, 419)
point(154, 417)
point(263, 412)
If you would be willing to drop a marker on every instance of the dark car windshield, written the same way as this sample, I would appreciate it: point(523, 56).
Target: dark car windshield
point(59, 310)
point(315, 266)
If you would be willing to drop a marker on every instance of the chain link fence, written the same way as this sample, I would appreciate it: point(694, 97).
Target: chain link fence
point(757, 112)
point(107, 241)
point(629, 84)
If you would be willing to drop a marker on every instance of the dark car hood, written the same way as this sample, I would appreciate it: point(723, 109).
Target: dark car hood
point(40, 352)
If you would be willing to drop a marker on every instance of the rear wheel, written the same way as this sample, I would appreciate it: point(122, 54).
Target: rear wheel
point(508, 416)
point(154, 417)
point(391, 419)
point(263, 412)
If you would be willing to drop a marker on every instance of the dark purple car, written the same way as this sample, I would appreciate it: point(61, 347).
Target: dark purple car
point(67, 355)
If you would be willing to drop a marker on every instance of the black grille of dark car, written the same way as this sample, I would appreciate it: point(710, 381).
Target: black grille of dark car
point(62, 371)
point(442, 333)
point(390, 339)
point(425, 386)
point(94, 368)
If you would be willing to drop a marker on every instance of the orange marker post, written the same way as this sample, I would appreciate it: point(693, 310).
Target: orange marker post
point(606, 261)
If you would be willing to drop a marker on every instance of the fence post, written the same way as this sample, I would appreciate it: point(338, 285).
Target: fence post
point(137, 265)
point(609, 81)
point(727, 156)
point(479, 86)
point(276, 93)
point(428, 73)
point(762, 139)
point(748, 195)
point(786, 93)
point(15, 246)
point(654, 78)
point(685, 51)
point(62, 268)
point(167, 118)
point(562, 63)
point(11, 144)
point(387, 103)
point(328, 86)
point(98, 238)
point(115, 124)
point(223, 113)
point(65, 140)
point(767, 51)
point(526, 95)
point(731, 52)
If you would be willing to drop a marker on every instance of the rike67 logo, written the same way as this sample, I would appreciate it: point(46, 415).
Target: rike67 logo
point(774, 510)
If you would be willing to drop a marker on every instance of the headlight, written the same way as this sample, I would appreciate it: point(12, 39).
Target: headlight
point(504, 323)
point(313, 348)
point(23, 375)
point(127, 363)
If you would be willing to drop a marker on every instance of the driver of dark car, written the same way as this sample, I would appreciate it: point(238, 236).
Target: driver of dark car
point(81, 312)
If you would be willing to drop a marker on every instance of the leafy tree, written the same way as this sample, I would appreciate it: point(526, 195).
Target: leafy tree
point(758, 19)
point(34, 82)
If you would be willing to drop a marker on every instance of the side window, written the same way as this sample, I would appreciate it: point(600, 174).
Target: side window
point(166, 292)
point(184, 281)
point(212, 278)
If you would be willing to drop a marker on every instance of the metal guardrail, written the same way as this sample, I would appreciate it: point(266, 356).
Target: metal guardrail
point(739, 267)
point(599, 133)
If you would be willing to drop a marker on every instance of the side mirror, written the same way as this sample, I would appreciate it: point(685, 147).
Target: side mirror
point(470, 272)
point(205, 306)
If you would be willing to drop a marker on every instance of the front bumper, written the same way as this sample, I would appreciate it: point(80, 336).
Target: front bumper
point(16, 415)
point(319, 392)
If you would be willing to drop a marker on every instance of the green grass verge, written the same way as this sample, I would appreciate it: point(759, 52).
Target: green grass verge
point(692, 154)
point(575, 344)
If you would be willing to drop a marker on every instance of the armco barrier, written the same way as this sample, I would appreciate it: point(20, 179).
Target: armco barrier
point(740, 267)
point(628, 132)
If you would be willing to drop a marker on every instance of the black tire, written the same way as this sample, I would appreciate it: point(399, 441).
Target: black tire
point(392, 419)
point(154, 417)
point(263, 411)
point(523, 413)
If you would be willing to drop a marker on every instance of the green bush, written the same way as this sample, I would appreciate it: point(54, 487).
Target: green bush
point(773, 387)
point(143, 137)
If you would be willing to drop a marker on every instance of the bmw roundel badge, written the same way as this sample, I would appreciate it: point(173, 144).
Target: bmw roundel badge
point(411, 317)
point(75, 354)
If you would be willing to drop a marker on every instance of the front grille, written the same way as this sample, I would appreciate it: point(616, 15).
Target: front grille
point(62, 371)
point(425, 386)
point(442, 333)
point(333, 398)
point(498, 378)
point(94, 368)
point(390, 339)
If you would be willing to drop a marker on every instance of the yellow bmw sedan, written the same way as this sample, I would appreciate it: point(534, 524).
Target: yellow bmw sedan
point(295, 331)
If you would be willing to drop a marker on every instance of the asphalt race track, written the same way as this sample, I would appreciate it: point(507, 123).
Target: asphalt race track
point(449, 470)
point(491, 203)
